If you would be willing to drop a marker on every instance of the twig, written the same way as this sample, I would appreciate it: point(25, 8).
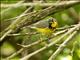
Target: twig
point(24, 13)
point(5, 35)
point(54, 34)
point(57, 29)
point(61, 47)
point(65, 27)
point(34, 4)
point(21, 34)
point(60, 32)
point(30, 45)
point(51, 44)
point(39, 41)
point(9, 31)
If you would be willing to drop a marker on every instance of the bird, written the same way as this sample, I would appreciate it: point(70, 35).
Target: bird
point(47, 31)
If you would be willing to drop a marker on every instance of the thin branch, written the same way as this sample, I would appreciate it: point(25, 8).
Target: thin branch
point(9, 31)
point(60, 32)
point(51, 44)
point(24, 13)
point(39, 41)
point(30, 45)
point(21, 34)
point(65, 28)
point(61, 47)
point(34, 4)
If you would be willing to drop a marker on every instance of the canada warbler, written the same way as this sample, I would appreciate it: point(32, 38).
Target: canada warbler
point(52, 25)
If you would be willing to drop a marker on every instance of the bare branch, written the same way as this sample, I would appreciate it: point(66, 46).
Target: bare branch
point(30, 45)
point(34, 4)
point(51, 44)
point(20, 34)
point(61, 47)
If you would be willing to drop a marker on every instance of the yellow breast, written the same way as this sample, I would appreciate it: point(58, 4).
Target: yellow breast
point(45, 31)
